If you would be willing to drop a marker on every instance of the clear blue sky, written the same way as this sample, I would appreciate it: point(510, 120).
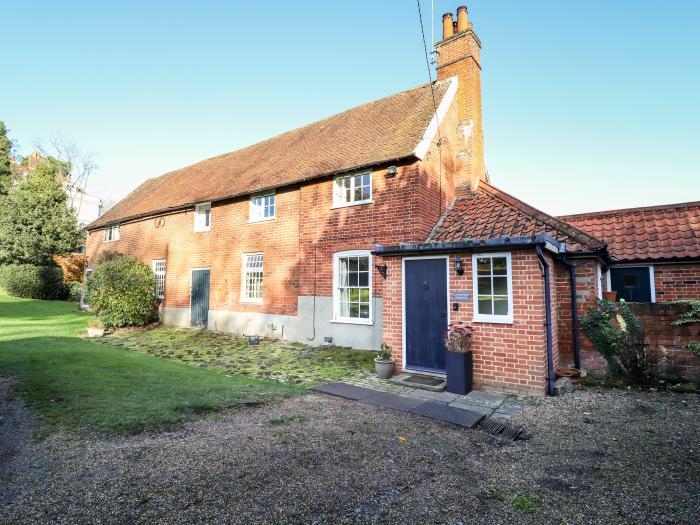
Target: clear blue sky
point(588, 105)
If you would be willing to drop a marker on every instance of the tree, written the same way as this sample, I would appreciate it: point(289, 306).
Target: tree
point(36, 221)
point(5, 166)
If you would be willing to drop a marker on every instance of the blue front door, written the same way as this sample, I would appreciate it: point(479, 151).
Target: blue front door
point(425, 282)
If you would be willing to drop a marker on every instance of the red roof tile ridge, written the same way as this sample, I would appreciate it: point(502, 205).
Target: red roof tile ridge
point(625, 211)
point(547, 219)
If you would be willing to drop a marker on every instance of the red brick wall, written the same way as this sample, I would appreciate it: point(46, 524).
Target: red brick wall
point(298, 245)
point(507, 357)
point(677, 281)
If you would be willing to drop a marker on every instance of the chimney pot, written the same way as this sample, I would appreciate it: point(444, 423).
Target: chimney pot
point(447, 26)
point(462, 18)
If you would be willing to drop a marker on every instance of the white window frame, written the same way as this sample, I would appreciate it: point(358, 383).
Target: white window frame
point(200, 217)
point(256, 208)
point(154, 263)
point(492, 318)
point(111, 233)
point(245, 298)
point(337, 318)
point(338, 200)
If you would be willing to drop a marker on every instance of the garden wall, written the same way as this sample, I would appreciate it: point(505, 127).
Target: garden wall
point(657, 321)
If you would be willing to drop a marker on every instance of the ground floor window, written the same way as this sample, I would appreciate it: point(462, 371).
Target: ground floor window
point(633, 283)
point(252, 278)
point(159, 271)
point(493, 290)
point(352, 294)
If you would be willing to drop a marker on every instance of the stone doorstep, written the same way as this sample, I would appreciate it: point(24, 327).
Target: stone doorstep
point(402, 379)
point(484, 399)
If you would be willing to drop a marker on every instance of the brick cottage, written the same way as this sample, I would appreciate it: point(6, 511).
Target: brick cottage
point(380, 224)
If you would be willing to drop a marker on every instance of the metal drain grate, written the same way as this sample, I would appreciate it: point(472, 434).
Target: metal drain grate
point(502, 430)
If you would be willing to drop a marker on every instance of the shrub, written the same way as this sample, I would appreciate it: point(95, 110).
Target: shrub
point(122, 292)
point(73, 265)
point(33, 282)
point(619, 338)
point(75, 290)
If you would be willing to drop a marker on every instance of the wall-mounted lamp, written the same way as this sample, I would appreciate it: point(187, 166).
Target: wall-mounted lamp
point(391, 171)
point(459, 267)
point(381, 268)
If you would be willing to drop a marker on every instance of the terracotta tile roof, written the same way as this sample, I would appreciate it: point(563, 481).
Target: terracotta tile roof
point(657, 232)
point(489, 213)
point(385, 130)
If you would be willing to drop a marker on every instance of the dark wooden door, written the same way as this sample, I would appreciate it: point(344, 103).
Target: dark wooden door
point(199, 298)
point(631, 284)
point(425, 283)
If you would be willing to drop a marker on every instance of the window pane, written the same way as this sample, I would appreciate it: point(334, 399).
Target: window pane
point(358, 194)
point(500, 267)
point(484, 284)
point(354, 294)
point(364, 295)
point(500, 286)
point(363, 264)
point(344, 309)
point(500, 305)
point(483, 266)
point(363, 279)
point(353, 279)
point(353, 264)
point(354, 310)
point(485, 305)
point(364, 311)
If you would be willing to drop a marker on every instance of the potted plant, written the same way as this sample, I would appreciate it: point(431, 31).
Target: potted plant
point(459, 362)
point(384, 363)
point(95, 328)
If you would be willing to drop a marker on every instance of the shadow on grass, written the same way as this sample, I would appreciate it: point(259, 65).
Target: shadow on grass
point(82, 386)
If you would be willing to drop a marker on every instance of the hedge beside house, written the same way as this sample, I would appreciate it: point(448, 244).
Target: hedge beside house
point(33, 282)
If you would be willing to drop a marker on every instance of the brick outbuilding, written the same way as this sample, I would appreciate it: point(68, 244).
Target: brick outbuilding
point(379, 224)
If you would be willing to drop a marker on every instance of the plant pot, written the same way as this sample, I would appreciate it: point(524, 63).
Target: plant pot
point(460, 370)
point(95, 332)
point(610, 296)
point(385, 369)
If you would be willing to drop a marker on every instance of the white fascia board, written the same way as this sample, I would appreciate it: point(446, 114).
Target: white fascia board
point(429, 135)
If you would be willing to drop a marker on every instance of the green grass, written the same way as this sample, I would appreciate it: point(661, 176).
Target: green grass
point(80, 385)
point(271, 359)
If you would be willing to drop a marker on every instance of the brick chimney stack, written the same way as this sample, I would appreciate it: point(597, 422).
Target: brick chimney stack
point(459, 54)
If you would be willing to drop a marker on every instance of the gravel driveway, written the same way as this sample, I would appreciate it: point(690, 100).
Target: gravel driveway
point(596, 456)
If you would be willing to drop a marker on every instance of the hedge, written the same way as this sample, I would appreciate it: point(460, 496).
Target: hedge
point(33, 282)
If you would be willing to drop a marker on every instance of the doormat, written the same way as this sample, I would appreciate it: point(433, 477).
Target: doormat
point(424, 380)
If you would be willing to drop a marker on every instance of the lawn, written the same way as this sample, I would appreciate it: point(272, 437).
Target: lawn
point(80, 385)
point(272, 359)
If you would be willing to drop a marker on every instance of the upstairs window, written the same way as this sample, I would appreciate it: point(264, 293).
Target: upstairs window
point(252, 278)
point(493, 290)
point(159, 271)
point(262, 207)
point(352, 189)
point(202, 217)
point(111, 233)
point(352, 292)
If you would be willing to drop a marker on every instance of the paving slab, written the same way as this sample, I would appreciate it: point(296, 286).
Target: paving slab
point(474, 408)
point(442, 412)
point(510, 407)
point(388, 400)
point(355, 393)
point(484, 399)
point(445, 397)
point(501, 416)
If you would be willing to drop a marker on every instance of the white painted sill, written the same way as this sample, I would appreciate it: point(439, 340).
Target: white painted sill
point(348, 204)
point(202, 230)
point(267, 219)
point(496, 319)
point(250, 301)
point(368, 322)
